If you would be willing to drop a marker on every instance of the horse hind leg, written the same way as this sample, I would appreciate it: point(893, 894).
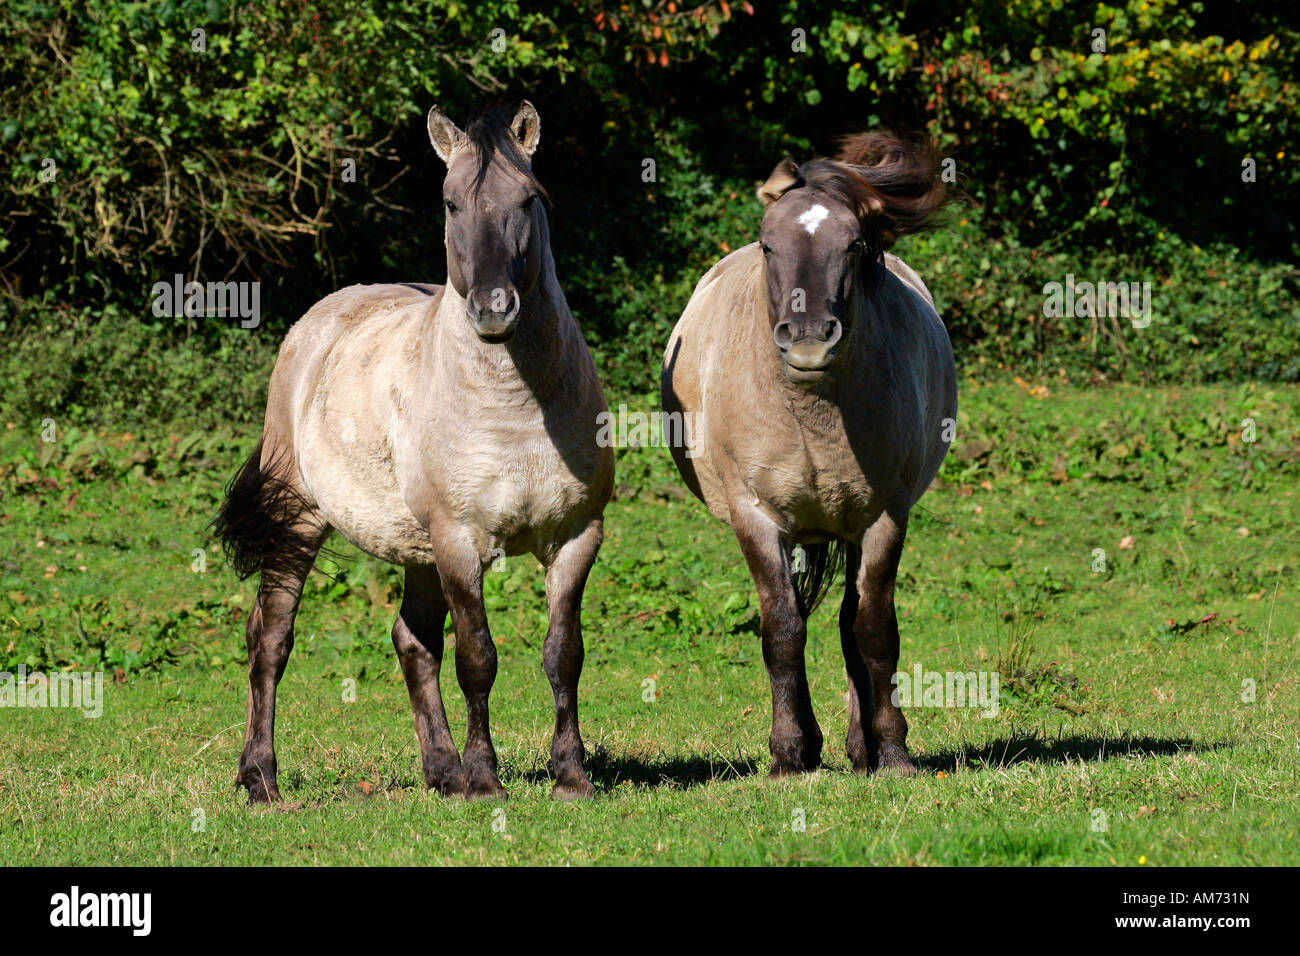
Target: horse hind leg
point(270, 640)
point(860, 743)
point(267, 525)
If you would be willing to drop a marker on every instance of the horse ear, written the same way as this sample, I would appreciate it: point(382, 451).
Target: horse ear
point(778, 184)
point(443, 134)
point(527, 127)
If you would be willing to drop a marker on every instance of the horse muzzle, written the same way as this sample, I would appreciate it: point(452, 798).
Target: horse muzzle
point(808, 361)
point(494, 326)
point(809, 356)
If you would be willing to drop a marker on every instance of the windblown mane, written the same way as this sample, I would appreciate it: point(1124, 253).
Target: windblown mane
point(892, 185)
point(904, 172)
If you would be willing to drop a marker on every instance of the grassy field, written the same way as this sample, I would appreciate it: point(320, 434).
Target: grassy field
point(1149, 709)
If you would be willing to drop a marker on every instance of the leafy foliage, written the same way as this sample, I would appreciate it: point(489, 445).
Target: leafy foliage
point(1116, 153)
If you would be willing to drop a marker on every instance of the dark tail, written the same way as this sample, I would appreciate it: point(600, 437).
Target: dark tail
point(258, 519)
point(822, 564)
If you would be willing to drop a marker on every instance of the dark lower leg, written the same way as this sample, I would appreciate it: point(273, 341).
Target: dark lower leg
point(860, 743)
point(876, 629)
point(270, 639)
point(796, 740)
point(562, 657)
point(417, 636)
point(476, 670)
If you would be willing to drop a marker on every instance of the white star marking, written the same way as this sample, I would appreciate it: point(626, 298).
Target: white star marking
point(811, 219)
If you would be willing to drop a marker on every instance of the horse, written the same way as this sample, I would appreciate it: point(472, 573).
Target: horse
point(816, 388)
point(436, 427)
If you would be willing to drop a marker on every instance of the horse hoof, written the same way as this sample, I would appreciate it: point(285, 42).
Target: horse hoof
point(905, 770)
point(780, 771)
point(260, 789)
point(578, 790)
point(859, 754)
point(484, 787)
point(449, 789)
point(447, 782)
point(260, 795)
point(894, 761)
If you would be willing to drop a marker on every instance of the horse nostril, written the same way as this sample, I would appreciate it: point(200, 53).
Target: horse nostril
point(782, 335)
point(471, 308)
point(833, 331)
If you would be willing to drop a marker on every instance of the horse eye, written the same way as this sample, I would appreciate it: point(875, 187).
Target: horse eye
point(767, 251)
point(530, 202)
point(451, 206)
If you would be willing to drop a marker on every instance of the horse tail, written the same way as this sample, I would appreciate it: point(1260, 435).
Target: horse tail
point(259, 518)
point(822, 564)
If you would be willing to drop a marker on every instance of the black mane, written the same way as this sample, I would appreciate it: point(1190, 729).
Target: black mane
point(489, 132)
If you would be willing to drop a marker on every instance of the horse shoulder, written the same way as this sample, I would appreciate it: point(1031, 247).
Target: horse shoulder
point(698, 377)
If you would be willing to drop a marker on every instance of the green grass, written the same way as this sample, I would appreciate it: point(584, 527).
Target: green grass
point(1119, 698)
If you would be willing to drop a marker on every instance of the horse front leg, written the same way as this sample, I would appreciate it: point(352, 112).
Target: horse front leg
point(417, 636)
point(796, 740)
point(860, 743)
point(869, 637)
point(461, 571)
point(562, 655)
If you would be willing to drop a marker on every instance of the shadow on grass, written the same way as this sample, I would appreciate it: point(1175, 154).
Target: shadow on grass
point(608, 770)
point(1031, 748)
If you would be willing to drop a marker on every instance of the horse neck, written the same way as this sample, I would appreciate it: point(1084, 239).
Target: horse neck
point(535, 358)
point(864, 313)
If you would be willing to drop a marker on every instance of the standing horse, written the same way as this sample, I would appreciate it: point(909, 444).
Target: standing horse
point(819, 394)
point(435, 427)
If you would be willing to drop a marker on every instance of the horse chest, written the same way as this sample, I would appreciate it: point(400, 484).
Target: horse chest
point(529, 489)
point(812, 487)
point(512, 482)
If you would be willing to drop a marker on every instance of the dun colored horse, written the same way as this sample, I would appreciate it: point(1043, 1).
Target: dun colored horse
point(820, 394)
point(435, 427)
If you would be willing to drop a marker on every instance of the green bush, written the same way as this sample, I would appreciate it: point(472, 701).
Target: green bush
point(226, 164)
point(109, 368)
point(1216, 314)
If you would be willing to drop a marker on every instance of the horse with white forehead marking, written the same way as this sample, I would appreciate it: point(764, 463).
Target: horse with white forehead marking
point(821, 396)
point(435, 427)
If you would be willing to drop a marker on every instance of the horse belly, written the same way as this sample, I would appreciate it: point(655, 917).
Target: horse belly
point(355, 487)
point(381, 526)
point(343, 402)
